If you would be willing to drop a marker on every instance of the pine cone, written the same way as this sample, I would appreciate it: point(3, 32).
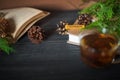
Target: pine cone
point(4, 25)
point(61, 28)
point(84, 19)
point(36, 34)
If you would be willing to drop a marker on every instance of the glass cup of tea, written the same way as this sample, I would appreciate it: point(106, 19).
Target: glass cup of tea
point(98, 50)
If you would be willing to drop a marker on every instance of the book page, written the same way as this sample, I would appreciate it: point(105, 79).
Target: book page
point(19, 18)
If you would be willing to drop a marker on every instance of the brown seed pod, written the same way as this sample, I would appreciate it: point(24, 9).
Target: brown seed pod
point(4, 25)
point(84, 19)
point(36, 34)
point(61, 28)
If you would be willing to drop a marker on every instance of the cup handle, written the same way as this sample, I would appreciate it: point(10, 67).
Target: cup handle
point(116, 60)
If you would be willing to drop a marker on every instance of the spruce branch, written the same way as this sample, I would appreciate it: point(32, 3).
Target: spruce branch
point(107, 13)
point(4, 46)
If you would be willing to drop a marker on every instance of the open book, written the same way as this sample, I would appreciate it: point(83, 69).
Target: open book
point(21, 19)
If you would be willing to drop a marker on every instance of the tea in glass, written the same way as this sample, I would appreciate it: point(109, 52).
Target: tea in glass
point(98, 50)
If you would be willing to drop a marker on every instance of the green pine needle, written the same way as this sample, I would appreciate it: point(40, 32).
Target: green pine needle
point(107, 13)
point(4, 46)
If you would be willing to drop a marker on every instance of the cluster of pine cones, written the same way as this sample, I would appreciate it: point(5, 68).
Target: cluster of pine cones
point(83, 19)
point(36, 33)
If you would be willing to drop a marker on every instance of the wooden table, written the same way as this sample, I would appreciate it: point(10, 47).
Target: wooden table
point(53, 59)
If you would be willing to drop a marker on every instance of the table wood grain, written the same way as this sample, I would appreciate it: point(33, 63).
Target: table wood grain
point(53, 59)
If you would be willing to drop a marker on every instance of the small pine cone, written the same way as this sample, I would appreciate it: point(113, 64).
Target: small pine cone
point(4, 25)
point(36, 34)
point(84, 19)
point(61, 28)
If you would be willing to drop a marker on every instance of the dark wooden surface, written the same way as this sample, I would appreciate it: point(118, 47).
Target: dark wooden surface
point(53, 59)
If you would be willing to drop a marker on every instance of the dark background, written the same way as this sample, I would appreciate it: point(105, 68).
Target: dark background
point(53, 59)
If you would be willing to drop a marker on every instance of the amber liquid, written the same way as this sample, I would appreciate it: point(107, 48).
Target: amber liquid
point(98, 50)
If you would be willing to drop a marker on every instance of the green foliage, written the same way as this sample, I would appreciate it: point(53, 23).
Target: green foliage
point(4, 46)
point(107, 13)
